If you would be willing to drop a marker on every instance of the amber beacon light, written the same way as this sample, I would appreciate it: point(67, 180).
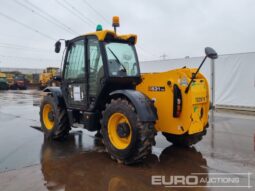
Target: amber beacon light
point(115, 22)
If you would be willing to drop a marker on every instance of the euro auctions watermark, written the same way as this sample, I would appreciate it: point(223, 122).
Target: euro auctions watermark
point(241, 180)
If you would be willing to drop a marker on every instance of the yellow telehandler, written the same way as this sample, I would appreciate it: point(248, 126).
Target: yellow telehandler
point(103, 89)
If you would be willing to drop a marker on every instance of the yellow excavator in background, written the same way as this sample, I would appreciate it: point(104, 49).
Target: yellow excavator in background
point(47, 77)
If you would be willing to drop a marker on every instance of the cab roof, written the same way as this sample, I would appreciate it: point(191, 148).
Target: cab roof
point(108, 34)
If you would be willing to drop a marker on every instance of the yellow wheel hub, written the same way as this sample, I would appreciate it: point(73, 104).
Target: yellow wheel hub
point(119, 131)
point(48, 116)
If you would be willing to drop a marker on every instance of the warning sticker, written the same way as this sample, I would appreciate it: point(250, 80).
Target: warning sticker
point(77, 93)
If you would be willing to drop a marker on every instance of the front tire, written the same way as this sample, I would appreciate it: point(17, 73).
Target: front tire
point(54, 119)
point(126, 138)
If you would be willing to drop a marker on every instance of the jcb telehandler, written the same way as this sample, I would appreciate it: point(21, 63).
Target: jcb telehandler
point(103, 89)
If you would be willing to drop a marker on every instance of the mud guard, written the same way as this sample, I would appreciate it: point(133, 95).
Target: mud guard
point(144, 106)
point(56, 93)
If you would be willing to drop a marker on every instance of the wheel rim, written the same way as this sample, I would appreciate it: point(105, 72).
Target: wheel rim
point(48, 118)
point(118, 141)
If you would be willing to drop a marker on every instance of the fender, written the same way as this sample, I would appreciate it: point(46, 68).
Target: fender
point(56, 93)
point(143, 105)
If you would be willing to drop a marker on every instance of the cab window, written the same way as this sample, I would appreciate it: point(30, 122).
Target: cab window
point(122, 59)
point(75, 63)
point(96, 70)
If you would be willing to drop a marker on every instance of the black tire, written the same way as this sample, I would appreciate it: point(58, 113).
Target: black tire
point(23, 88)
point(41, 87)
point(142, 133)
point(14, 87)
point(185, 140)
point(49, 84)
point(61, 127)
point(4, 86)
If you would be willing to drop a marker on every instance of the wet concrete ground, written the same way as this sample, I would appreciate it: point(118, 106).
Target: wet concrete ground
point(28, 162)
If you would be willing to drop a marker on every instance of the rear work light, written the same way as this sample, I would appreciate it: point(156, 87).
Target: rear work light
point(177, 102)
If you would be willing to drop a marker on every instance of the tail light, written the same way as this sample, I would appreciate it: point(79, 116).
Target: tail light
point(177, 102)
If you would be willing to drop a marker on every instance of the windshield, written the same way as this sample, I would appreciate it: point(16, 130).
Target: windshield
point(121, 59)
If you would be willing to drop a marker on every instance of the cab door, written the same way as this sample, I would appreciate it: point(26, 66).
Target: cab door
point(95, 71)
point(75, 84)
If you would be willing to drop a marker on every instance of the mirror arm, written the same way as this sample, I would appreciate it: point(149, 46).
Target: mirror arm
point(194, 76)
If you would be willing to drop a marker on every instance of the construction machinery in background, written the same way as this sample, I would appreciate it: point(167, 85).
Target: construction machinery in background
point(20, 82)
point(10, 78)
point(16, 80)
point(47, 78)
point(35, 78)
point(103, 89)
point(3, 82)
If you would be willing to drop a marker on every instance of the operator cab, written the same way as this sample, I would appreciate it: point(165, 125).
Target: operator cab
point(96, 64)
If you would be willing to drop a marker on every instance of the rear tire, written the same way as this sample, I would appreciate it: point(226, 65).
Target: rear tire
point(54, 119)
point(135, 142)
point(185, 140)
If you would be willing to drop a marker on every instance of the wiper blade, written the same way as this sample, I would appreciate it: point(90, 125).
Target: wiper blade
point(117, 60)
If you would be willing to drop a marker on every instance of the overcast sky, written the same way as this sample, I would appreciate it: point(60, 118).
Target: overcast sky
point(177, 28)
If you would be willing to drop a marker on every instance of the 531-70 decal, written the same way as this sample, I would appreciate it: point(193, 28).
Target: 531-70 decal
point(156, 88)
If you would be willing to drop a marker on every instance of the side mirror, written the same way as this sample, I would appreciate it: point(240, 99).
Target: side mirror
point(57, 46)
point(211, 53)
